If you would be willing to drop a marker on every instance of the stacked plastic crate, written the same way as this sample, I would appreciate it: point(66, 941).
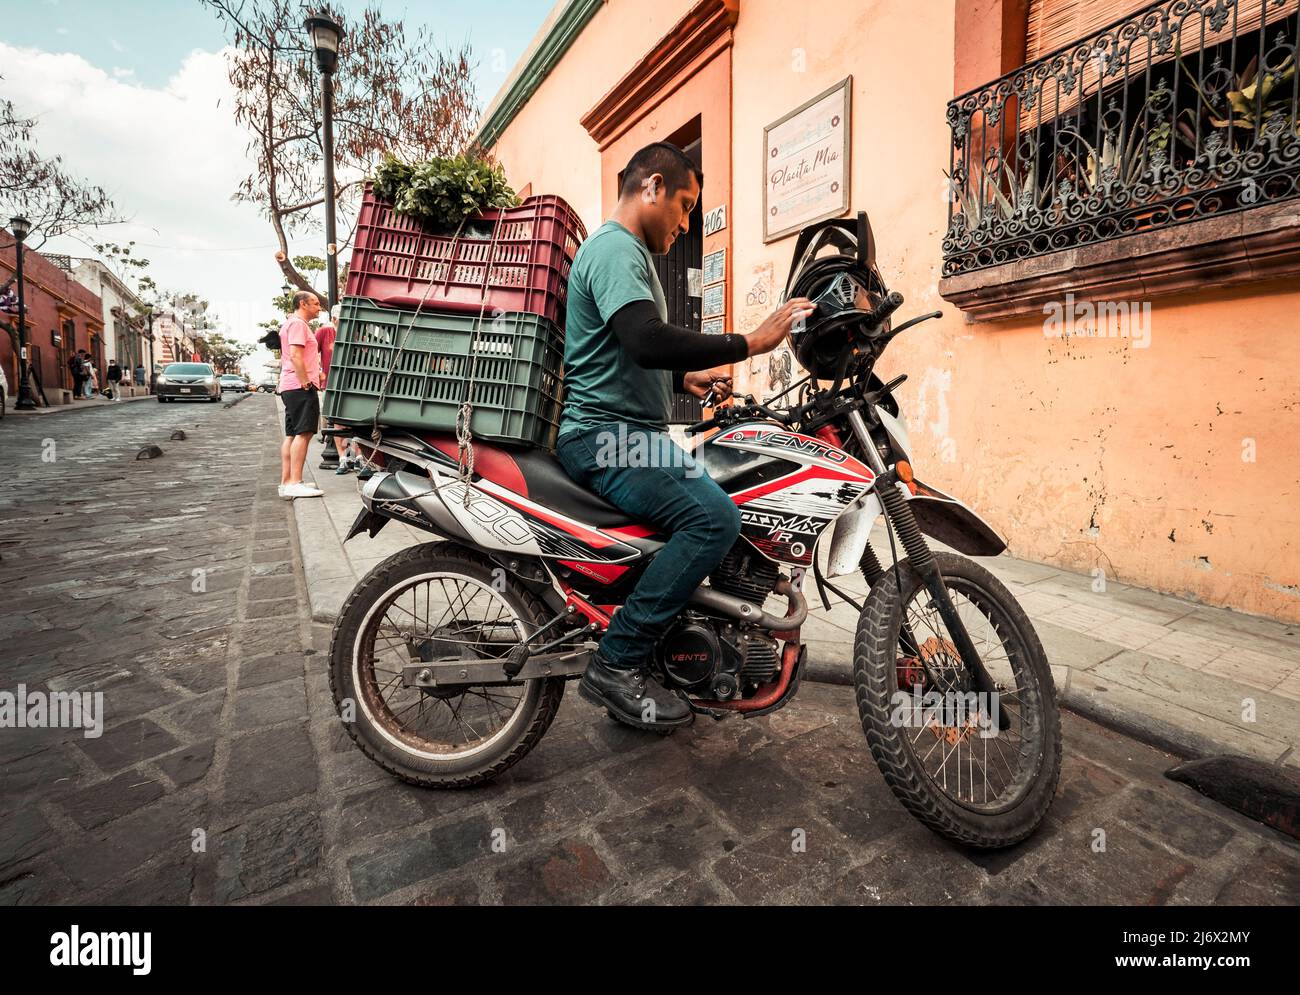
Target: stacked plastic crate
point(431, 320)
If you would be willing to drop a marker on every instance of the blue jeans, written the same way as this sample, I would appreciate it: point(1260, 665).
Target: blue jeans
point(647, 475)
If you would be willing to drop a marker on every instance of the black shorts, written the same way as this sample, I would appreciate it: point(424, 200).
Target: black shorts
point(301, 411)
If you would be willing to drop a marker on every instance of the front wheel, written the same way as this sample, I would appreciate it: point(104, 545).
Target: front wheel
point(438, 602)
point(940, 745)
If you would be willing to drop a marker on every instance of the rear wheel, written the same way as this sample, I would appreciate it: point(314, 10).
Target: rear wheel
point(438, 602)
point(951, 766)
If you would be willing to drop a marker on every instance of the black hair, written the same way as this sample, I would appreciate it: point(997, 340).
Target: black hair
point(665, 158)
point(300, 297)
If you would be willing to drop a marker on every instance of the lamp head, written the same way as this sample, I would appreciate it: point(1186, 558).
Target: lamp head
point(325, 34)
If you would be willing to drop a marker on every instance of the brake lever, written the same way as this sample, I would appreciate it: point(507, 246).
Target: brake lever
point(914, 321)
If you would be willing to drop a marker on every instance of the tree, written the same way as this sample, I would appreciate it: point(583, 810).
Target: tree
point(41, 189)
point(193, 309)
point(221, 352)
point(395, 91)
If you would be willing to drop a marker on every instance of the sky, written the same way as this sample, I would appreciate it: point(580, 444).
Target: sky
point(134, 96)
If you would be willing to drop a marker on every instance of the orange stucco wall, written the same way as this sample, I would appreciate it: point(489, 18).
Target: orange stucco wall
point(545, 145)
point(1173, 464)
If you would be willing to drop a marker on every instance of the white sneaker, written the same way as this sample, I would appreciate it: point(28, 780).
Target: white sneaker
point(280, 491)
point(292, 491)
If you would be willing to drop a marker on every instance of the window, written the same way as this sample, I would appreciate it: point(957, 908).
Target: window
point(1178, 111)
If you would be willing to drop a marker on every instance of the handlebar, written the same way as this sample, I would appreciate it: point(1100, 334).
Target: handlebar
point(744, 412)
point(884, 309)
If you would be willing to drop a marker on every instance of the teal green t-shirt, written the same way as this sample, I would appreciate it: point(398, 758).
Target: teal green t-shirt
point(602, 384)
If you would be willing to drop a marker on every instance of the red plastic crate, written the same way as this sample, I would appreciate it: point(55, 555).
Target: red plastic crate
point(398, 263)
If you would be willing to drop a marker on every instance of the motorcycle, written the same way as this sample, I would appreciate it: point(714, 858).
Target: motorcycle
point(449, 659)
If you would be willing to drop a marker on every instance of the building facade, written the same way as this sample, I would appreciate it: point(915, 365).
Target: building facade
point(126, 328)
point(173, 339)
point(1111, 229)
point(62, 317)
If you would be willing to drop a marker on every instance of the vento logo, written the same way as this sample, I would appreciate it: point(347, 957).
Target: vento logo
point(77, 949)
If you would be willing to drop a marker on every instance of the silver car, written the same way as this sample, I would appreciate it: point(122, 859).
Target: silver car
point(188, 381)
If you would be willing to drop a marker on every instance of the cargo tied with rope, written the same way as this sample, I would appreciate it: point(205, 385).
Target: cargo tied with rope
point(463, 335)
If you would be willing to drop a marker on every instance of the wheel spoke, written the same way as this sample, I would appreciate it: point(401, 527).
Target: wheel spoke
point(446, 616)
point(993, 773)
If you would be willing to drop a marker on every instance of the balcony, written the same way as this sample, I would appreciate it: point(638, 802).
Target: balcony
point(1159, 149)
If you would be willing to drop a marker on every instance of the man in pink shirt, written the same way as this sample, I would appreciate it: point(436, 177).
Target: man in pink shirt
point(301, 382)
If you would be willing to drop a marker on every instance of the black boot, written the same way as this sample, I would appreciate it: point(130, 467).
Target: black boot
point(633, 697)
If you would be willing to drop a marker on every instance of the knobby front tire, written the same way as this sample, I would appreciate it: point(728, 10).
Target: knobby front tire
point(1017, 769)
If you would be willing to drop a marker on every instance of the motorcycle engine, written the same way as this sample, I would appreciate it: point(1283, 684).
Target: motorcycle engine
point(718, 658)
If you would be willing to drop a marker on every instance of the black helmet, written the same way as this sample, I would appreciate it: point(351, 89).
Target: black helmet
point(834, 267)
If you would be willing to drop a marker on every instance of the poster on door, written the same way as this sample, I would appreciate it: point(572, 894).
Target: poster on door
point(806, 161)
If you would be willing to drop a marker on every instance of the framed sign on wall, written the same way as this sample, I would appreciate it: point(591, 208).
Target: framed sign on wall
point(806, 163)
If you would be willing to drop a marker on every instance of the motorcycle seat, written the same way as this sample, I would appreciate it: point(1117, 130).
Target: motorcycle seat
point(540, 477)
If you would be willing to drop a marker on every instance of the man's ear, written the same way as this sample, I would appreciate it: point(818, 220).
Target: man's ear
point(652, 185)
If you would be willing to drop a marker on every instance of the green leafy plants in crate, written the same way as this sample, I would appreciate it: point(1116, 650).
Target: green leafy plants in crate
point(441, 193)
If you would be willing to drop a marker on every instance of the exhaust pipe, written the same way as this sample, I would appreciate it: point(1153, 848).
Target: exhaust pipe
point(744, 611)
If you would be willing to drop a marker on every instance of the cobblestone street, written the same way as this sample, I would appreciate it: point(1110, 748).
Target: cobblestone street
point(174, 586)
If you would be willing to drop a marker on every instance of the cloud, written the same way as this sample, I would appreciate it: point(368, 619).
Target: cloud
point(171, 157)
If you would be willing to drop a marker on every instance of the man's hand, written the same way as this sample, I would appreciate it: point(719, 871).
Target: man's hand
point(776, 327)
point(702, 382)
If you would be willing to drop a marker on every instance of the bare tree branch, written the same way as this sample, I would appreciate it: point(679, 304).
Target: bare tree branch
point(394, 91)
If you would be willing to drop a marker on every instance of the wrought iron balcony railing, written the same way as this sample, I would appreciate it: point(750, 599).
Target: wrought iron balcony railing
point(1181, 111)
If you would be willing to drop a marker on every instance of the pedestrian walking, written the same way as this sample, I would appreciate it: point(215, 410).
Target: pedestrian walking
point(78, 370)
point(139, 375)
point(301, 382)
point(92, 377)
point(114, 377)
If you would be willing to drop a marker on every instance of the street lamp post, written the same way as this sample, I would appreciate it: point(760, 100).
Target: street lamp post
point(325, 34)
point(21, 227)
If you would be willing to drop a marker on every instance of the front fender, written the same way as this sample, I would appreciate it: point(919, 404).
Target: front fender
point(941, 516)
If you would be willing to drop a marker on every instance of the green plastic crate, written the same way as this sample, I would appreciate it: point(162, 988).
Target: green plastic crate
point(517, 382)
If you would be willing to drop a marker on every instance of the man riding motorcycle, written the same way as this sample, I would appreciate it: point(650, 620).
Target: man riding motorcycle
point(622, 361)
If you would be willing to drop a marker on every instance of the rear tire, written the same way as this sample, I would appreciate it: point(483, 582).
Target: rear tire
point(397, 745)
point(877, 666)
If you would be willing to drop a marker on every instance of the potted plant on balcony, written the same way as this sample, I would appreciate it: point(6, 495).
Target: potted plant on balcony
point(1246, 109)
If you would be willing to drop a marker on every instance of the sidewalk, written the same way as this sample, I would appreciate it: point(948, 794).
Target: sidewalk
point(1171, 672)
point(57, 409)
